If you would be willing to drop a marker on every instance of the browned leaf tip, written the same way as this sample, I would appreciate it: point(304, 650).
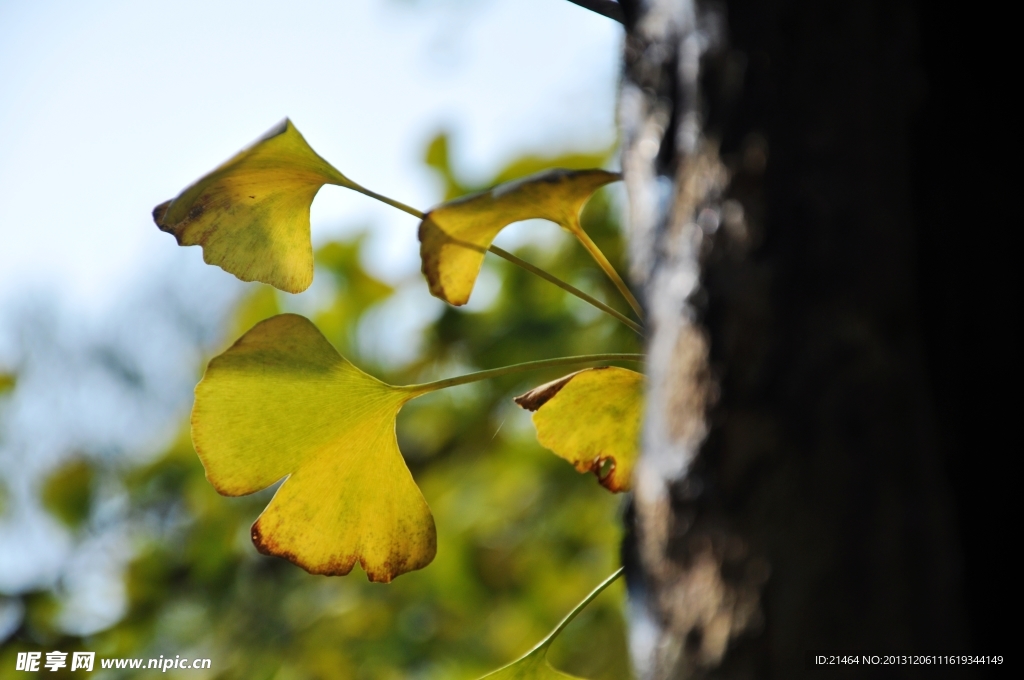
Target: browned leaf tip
point(178, 228)
point(603, 468)
point(267, 547)
point(159, 212)
point(542, 394)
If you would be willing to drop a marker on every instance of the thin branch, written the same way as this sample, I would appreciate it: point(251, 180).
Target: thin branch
point(607, 267)
point(424, 388)
point(608, 8)
point(568, 288)
point(390, 201)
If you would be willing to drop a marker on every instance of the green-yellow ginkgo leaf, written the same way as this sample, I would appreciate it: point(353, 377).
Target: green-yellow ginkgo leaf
point(455, 235)
point(251, 215)
point(534, 665)
point(282, 403)
point(591, 419)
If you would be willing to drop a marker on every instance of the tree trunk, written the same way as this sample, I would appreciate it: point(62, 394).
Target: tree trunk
point(790, 494)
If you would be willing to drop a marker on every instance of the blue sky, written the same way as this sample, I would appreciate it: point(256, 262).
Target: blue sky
point(108, 108)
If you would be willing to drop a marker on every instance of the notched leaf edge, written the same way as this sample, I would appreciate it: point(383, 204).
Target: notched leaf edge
point(339, 567)
point(602, 472)
point(336, 567)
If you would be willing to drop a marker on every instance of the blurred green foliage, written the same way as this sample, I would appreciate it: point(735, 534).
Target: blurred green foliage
point(67, 492)
point(522, 537)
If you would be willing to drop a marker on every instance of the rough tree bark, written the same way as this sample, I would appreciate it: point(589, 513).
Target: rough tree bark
point(789, 495)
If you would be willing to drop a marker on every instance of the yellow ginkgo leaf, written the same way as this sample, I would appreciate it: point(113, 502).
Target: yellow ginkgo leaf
point(282, 403)
point(251, 215)
point(534, 664)
point(591, 419)
point(455, 235)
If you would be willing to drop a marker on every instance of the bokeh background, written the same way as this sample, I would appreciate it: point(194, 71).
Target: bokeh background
point(111, 540)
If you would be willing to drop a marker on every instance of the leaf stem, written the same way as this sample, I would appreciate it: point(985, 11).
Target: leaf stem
point(576, 610)
point(390, 201)
point(423, 388)
point(572, 290)
point(604, 264)
point(568, 288)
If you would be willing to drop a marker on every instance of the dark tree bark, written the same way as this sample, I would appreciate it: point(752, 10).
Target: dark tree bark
point(791, 494)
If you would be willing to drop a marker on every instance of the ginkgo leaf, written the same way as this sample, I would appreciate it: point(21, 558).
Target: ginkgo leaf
point(591, 419)
point(534, 664)
point(251, 215)
point(282, 403)
point(455, 235)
